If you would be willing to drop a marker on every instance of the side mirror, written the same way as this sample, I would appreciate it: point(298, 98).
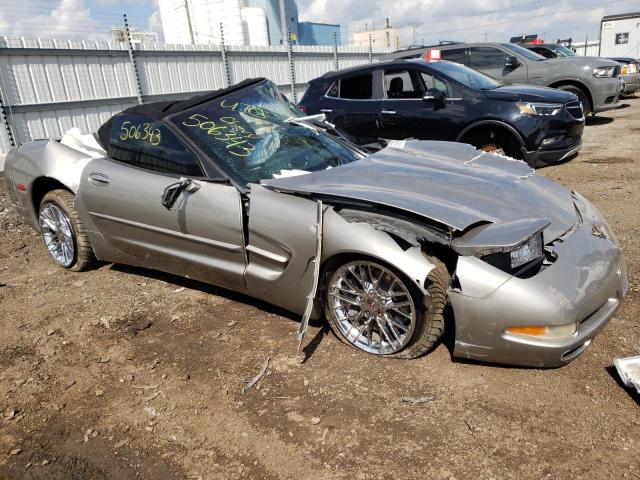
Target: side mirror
point(511, 62)
point(435, 96)
point(172, 192)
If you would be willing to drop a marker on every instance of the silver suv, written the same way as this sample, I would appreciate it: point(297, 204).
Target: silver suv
point(594, 80)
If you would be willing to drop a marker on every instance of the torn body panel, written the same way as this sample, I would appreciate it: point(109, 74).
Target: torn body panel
point(280, 267)
point(43, 158)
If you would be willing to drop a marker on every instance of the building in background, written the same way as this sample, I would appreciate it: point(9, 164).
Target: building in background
point(620, 35)
point(388, 37)
point(591, 49)
point(244, 22)
point(311, 33)
point(119, 34)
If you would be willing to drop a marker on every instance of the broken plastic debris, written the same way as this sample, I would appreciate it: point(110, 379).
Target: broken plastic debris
point(252, 381)
point(629, 371)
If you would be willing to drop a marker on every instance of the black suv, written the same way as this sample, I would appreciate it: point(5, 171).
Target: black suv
point(447, 101)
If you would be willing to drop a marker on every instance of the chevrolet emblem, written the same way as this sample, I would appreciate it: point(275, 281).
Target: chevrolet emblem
point(597, 231)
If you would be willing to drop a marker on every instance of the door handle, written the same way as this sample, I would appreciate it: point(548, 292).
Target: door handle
point(99, 179)
point(326, 110)
point(388, 112)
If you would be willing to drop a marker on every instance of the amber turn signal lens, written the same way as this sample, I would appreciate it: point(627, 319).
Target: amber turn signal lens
point(535, 331)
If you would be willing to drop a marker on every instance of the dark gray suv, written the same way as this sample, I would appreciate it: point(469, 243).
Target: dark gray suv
point(594, 80)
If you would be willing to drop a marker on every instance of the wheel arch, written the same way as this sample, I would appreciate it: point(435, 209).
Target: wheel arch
point(43, 185)
point(575, 83)
point(490, 123)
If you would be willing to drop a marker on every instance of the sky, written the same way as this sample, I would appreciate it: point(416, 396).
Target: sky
point(427, 21)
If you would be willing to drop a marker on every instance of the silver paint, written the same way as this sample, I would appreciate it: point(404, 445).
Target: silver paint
point(423, 193)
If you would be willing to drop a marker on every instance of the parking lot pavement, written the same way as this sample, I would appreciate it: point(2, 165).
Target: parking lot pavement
point(125, 373)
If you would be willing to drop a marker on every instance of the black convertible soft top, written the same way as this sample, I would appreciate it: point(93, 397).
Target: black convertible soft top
point(160, 110)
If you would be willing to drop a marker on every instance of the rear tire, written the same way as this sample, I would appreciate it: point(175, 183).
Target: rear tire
point(349, 319)
point(63, 232)
point(586, 104)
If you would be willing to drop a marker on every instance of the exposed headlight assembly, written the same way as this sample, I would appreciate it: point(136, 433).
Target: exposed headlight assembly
point(527, 252)
point(540, 109)
point(523, 260)
point(604, 72)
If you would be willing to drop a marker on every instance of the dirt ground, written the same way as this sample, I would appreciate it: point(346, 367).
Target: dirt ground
point(123, 373)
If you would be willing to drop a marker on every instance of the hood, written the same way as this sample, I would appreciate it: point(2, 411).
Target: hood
point(528, 93)
point(451, 183)
point(586, 62)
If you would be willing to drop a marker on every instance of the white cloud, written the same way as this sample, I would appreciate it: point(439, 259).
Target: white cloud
point(68, 19)
point(155, 24)
point(466, 20)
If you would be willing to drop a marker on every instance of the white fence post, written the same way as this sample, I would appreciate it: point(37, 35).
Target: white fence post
point(225, 61)
point(132, 59)
point(292, 69)
point(5, 120)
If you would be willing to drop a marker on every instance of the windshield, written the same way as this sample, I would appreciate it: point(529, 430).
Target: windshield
point(562, 51)
point(465, 75)
point(251, 133)
point(528, 54)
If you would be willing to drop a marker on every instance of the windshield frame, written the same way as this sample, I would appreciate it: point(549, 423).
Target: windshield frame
point(561, 50)
point(434, 67)
point(523, 52)
point(226, 172)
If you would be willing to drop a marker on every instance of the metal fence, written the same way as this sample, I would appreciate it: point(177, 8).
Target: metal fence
point(48, 86)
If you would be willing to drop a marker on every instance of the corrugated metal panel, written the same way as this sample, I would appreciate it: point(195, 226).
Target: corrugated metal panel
point(43, 77)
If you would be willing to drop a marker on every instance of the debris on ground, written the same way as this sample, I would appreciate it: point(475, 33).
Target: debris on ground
point(424, 399)
point(629, 371)
point(252, 381)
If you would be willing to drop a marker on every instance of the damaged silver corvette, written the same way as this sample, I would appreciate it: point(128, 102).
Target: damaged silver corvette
point(237, 189)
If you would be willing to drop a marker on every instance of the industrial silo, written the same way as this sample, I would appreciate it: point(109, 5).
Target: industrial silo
point(255, 26)
point(232, 21)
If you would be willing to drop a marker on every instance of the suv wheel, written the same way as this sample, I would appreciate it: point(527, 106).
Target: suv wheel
point(578, 92)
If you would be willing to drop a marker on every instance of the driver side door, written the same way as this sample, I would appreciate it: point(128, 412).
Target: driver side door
point(200, 237)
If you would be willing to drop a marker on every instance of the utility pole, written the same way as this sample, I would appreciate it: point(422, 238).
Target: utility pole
point(186, 7)
point(586, 44)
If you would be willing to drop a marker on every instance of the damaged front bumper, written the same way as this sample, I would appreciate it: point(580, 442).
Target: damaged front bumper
point(584, 285)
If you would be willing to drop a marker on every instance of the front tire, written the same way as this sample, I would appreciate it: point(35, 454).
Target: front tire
point(578, 92)
point(63, 232)
point(375, 308)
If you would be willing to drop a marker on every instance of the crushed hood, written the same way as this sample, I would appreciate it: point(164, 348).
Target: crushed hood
point(451, 183)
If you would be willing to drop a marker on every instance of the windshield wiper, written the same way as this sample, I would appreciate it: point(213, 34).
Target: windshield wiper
point(304, 121)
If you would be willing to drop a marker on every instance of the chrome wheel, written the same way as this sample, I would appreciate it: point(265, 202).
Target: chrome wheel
point(372, 307)
point(58, 234)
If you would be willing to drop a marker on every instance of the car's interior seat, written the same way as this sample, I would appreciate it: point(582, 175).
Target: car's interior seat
point(396, 87)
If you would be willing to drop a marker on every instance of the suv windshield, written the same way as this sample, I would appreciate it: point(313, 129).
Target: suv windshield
point(528, 54)
point(465, 75)
point(561, 50)
point(251, 133)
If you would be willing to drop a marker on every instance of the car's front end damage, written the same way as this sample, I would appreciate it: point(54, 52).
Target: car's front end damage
point(528, 290)
point(549, 318)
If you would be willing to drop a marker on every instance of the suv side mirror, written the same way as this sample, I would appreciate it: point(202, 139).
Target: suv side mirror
point(511, 62)
point(435, 96)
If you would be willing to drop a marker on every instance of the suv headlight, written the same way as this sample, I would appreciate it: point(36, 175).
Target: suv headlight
point(541, 109)
point(527, 252)
point(603, 72)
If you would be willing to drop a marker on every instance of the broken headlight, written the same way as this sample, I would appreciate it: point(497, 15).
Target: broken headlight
point(523, 260)
point(527, 252)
